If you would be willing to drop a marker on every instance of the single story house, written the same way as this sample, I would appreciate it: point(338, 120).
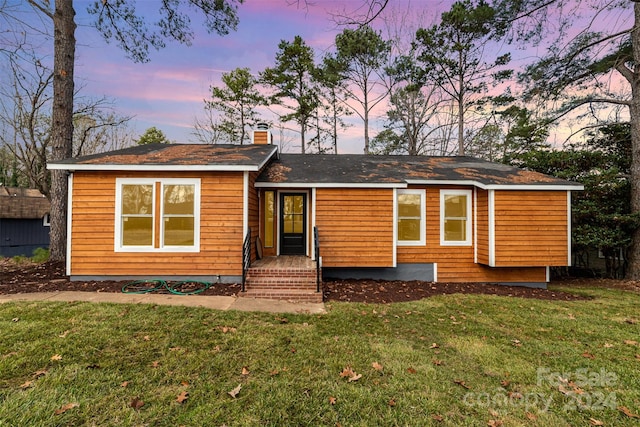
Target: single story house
point(183, 211)
point(24, 221)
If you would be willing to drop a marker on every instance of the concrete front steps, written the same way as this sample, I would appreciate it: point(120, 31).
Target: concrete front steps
point(290, 283)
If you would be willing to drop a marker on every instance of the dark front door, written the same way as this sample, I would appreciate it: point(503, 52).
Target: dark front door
point(293, 223)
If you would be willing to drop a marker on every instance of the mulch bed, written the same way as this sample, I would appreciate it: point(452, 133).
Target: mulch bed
point(50, 276)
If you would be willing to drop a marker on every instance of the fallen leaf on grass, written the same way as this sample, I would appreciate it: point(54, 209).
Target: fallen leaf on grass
point(588, 355)
point(124, 384)
point(146, 338)
point(65, 408)
point(64, 334)
point(516, 343)
point(494, 423)
point(234, 393)
point(462, 384)
point(15, 319)
point(437, 417)
point(38, 374)
point(437, 362)
point(350, 374)
point(392, 402)
point(26, 384)
point(377, 366)
point(136, 403)
point(531, 416)
point(627, 412)
point(184, 383)
point(411, 370)
point(332, 400)
point(638, 356)
point(155, 363)
point(595, 422)
point(56, 357)
point(434, 345)
point(631, 342)
point(572, 317)
point(245, 370)
point(182, 397)
point(355, 377)
point(226, 329)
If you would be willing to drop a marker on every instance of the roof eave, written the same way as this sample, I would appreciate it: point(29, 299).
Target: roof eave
point(484, 186)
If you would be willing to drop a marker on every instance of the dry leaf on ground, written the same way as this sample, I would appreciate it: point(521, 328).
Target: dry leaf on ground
point(627, 412)
point(136, 403)
point(65, 408)
point(234, 393)
point(182, 397)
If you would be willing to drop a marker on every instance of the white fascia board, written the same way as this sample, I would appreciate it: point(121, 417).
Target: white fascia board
point(578, 187)
point(328, 185)
point(568, 228)
point(155, 168)
point(492, 228)
point(69, 218)
point(245, 204)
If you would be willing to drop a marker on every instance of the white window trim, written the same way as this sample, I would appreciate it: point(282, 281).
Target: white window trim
point(157, 211)
point(468, 241)
point(46, 220)
point(423, 220)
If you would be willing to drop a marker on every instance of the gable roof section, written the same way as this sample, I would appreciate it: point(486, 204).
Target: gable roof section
point(22, 203)
point(174, 157)
point(359, 170)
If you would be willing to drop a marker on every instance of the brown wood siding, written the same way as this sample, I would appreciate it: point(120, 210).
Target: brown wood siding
point(482, 216)
point(456, 263)
point(355, 227)
point(92, 232)
point(530, 228)
point(260, 137)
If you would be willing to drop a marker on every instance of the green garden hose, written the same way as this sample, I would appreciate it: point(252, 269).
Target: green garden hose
point(177, 288)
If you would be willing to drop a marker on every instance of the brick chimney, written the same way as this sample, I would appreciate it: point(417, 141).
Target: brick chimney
point(262, 134)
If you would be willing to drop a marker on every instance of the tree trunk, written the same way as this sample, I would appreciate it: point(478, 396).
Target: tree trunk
point(633, 269)
point(64, 43)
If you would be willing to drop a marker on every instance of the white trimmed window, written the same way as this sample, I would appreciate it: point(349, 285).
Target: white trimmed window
point(411, 225)
point(157, 215)
point(455, 217)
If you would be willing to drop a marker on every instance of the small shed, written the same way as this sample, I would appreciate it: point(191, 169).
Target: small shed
point(24, 221)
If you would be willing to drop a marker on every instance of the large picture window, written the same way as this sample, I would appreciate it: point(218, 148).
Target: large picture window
point(157, 215)
point(455, 217)
point(411, 218)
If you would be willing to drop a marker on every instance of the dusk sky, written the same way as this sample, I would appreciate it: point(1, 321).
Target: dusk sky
point(168, 91)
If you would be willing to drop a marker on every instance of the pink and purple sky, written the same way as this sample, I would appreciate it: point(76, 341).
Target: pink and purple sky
point(168, 91)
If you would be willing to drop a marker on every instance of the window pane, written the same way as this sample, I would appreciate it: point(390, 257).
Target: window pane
point(298, 204)
point(178, 199)
point(297, 224)
point(409, 229)
point(455, 206)
point(288, 223)
point(137, 199)
point(409, 205)
point(268, 218)
point(137, 231)
point(178, 231)
point(455, 230)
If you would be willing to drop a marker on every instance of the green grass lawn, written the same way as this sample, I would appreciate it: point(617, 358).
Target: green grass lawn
point(446, 361)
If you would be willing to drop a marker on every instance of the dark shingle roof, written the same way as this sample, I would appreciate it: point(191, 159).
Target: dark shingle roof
point(174, 157)
point(354, 169)
point(22, 203)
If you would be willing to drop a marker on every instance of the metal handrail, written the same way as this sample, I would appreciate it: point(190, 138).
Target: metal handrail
point(246, 257)
point(316, 246)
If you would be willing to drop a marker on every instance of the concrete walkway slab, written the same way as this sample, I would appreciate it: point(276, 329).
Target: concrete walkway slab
point(211, 302)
